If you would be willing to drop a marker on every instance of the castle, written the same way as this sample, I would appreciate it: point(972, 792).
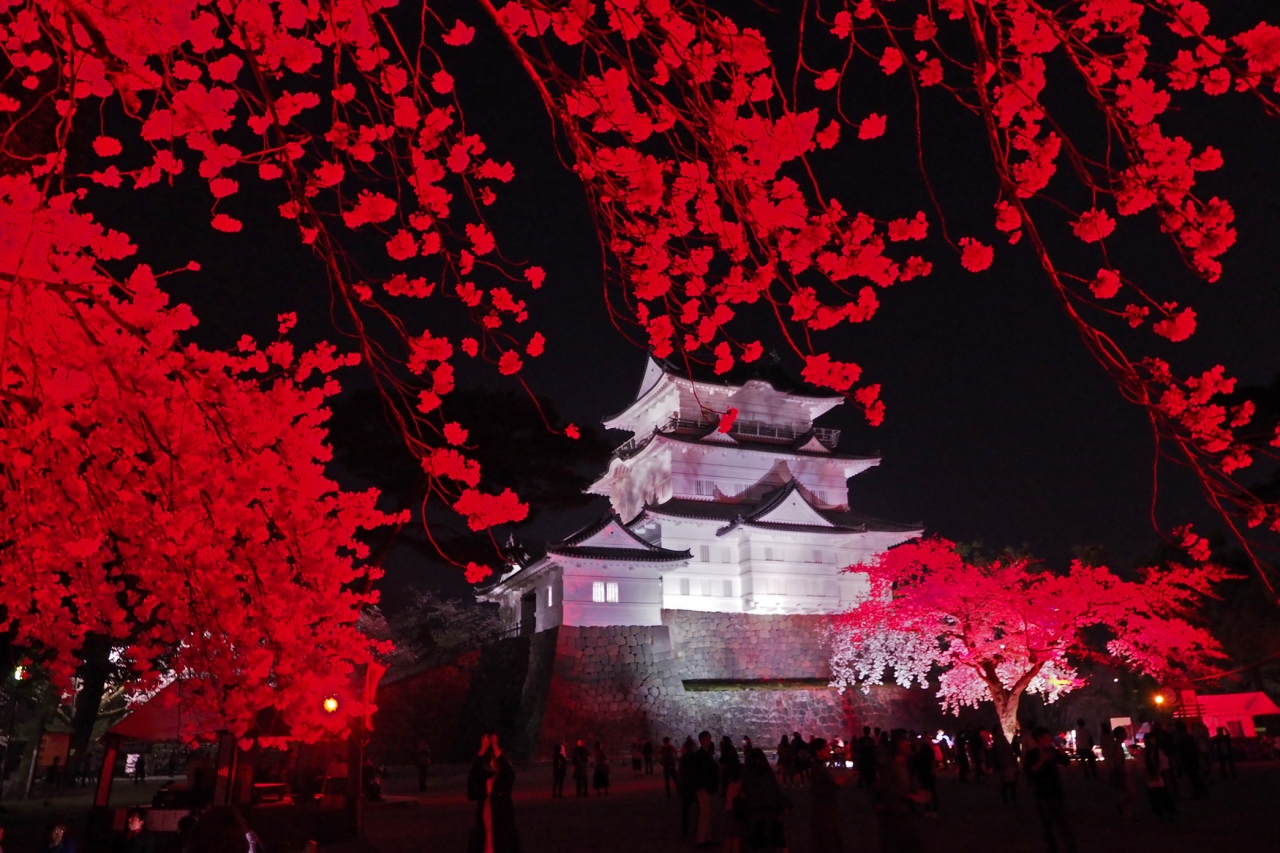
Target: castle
point(752, 517)
point(697, 602)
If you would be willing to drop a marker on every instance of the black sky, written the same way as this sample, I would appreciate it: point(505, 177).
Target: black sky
point(1000, 427)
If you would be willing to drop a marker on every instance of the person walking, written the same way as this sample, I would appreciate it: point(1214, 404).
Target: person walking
point(786, 761)
point(1042, 762)
point(687, 784)
point(1156, 763)
point(800, 752)
point(706, 781)
point(864, 760)
point(422, 758)
point(1084, 750)
point(894, 797)
point(490, 784)
point(730, 764)
point(137, 838)
point(962, 755)
point(559, 768)
point(580, 759)
point(600, 774)
point(824, 811)
point(761, 805)
point(1005, 764)
point(1189, 760)
point(730, 783)
point(1118, 773)
point(922, 768)
point(667, 758)
point(1224, 752)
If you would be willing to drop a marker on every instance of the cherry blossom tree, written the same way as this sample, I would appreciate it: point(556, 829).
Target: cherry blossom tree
point(173, 499)
point(162, 502)
point(995, 630)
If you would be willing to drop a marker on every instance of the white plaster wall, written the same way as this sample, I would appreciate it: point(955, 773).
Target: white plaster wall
point(748, 474)
point(553, 616)
point(643, 480)
point(639, 596)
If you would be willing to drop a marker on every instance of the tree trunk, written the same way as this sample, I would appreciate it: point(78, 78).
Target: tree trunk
point(29, 729)
point(1007, 710)
point(95, 667)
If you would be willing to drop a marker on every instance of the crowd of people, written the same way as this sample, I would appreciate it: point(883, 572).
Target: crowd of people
point(737, 797)
point(217, 829)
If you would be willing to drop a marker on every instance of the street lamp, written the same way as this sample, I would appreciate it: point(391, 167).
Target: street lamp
point(330, 705)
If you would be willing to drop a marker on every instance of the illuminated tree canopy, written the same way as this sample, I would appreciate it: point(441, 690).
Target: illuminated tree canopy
point(997, 630)
point(173, 498)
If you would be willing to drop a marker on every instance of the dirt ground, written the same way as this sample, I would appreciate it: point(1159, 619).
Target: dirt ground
point(1242, 814)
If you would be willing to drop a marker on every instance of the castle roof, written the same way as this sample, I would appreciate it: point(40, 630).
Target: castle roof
point(768, 371)
point(661, 373)
point(610, 539)
point(606, 539)
point(802, 444)
point(784, 509)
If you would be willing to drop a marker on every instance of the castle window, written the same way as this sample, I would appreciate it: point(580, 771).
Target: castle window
point(817, 555)
point(551, 596)
point(724, 554)
point(768, 554)
point(704, 488)
point(728, 589)
point(611, 593)
point(604, 592)
point(684, 586)
point(704, 553)
point(597, 591)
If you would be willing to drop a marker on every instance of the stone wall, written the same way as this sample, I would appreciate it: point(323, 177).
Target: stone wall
point(426, 705)
point(618, 683)
point(746, 646)
point(493, 703)
point(614, 684)
point(610, 685)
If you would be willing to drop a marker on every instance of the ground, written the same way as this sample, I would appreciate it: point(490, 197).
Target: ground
point(1240, 816)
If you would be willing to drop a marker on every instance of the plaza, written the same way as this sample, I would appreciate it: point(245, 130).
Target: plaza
point(636, 818)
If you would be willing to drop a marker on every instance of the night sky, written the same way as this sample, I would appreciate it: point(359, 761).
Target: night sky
point(1000, 427)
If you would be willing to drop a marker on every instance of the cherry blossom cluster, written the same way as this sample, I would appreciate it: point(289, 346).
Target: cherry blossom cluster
point(1131, 60)
point(996, 630)
point(168, 498)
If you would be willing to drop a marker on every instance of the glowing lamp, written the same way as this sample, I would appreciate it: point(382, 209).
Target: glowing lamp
point(330, 705)
point(1159, 698)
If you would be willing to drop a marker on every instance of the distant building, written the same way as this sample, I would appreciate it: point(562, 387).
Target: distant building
point(755, 520)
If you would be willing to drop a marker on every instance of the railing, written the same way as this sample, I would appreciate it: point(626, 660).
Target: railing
point(512, 630)
point(747, 429)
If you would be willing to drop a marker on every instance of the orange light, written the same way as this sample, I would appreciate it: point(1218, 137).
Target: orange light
point(1159, 699)
point(330, 705)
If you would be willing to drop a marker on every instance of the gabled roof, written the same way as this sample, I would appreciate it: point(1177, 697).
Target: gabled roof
point(768, 371)
point(771, 374)
point(788, 506)
point(1227, 704)
point(606, 539)
point(609, 539)
point(801, 446)
point(783, 509)
point(608, 532)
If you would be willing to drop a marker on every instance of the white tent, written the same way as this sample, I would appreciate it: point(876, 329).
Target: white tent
point(1235, 712)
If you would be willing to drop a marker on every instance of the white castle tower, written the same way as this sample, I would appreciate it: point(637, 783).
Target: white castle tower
point(754, 520)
